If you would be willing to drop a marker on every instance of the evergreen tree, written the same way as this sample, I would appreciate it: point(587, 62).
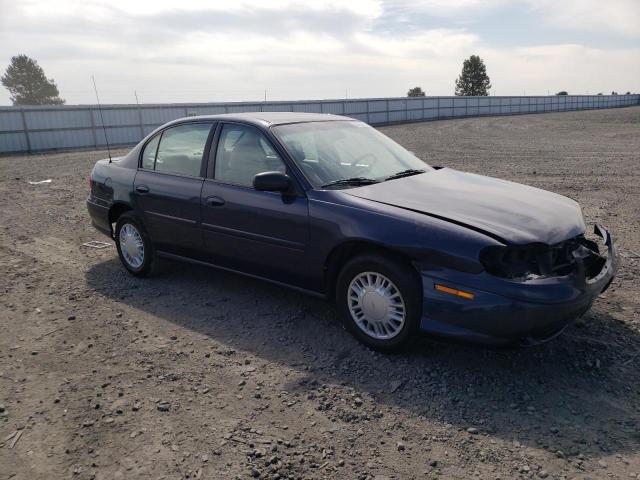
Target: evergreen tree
point(473, 81)
point(416, 92)
point(28, 84)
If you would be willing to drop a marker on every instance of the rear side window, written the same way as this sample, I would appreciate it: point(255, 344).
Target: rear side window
point(181, 148)
point(149, 153)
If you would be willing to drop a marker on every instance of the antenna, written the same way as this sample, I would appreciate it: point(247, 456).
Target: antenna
point(104, 129)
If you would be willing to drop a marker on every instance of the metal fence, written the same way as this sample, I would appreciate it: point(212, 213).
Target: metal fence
point(67, 127)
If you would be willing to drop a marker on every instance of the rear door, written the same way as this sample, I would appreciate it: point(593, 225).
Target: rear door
point(168, 185)
point(263, 233)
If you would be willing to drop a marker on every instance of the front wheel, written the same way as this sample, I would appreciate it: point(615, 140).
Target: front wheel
point(379, 301)
point(134, 245)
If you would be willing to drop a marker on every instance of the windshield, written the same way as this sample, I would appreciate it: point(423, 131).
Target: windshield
point(346, 153)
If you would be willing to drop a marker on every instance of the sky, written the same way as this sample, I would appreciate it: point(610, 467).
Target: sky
point(211, 51)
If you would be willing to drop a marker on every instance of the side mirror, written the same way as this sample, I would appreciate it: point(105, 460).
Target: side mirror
point(271, 182)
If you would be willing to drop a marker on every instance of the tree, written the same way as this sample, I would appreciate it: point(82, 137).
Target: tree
point(628, 93)
point(28, 84)
point(562, 92)
point(473, 81)
point(614, 93)
point(416, 92)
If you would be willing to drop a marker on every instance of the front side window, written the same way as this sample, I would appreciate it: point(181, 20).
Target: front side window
point(332, 151)
point(242, 153)
point(181, 148)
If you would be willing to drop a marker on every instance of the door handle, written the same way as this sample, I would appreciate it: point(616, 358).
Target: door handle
point(142, 189)
point(215, 201)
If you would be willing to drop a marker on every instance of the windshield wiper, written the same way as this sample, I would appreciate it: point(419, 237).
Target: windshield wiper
point(404, 173)
point(351, 181)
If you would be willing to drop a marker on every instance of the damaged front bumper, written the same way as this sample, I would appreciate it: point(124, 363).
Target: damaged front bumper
point(504, 311)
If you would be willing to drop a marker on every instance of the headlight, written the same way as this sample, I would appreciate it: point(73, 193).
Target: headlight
point(538, 260)
point(517, 262)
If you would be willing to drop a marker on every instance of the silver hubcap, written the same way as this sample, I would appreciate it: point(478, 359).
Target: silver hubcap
point(131, 245)
point(376, 305)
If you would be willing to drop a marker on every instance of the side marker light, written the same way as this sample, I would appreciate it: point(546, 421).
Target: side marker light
point(453, 291)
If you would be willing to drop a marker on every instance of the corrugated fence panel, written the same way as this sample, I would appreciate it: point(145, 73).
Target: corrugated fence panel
point(239, 108)
point(337, 108)
point(158, 116)
point(276, 107)
point(397, 105)
point(10, 121)
point(307, 107)
point(13, 142)
point(61, 139)
point(208, 110)
point(351, 106)
point(116, 117)
point(42, 128)
point(118, 136)
point(378, 117)
point(360, 116)
point(397, 116)
point(56, 119)
point(415, 103)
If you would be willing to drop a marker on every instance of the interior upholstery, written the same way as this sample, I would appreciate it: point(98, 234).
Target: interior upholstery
point(244, 160)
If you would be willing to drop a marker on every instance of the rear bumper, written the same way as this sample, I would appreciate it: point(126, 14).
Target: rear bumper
point(504, 311)
point(99, 215)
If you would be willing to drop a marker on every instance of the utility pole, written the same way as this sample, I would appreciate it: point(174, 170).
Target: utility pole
point(136, 95)
point(265, 96)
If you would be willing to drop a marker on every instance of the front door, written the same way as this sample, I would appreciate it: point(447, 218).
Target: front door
point(257, 232)
point(168, 185)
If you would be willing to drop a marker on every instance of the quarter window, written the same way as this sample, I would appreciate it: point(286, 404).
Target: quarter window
point(242, 153)
point(149, 153)
point(181, 148)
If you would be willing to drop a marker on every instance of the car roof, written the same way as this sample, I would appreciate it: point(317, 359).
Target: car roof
point(266, 119)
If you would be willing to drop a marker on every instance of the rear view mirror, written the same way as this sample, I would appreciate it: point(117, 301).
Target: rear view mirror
point(271, 182)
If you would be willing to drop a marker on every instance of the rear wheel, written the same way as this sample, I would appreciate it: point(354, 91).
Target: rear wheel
point(379, 301)
point(134, 245)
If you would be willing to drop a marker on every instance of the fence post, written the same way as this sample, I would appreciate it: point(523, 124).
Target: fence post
point(93, 128)
point(26, 129)
point(140, 122)
point(406, 109)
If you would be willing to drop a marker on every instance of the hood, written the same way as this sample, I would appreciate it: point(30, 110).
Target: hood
point(507, 211)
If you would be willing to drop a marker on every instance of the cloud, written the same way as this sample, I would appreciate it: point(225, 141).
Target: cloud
point(615, 16)
point(551, 68)
point(197, 50)
point(441, 8)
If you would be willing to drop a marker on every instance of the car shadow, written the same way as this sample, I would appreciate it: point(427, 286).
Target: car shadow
point(575, 394)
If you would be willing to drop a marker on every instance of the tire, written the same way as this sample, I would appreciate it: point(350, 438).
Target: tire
point(371, 275)
point(129, 228)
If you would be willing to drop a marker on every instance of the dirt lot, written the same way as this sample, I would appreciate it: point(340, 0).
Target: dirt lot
point(201, 374)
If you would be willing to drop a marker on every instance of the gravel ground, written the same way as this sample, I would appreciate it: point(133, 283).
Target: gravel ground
point(196, 373)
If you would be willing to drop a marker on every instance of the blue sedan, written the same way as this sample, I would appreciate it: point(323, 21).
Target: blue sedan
point(330, 206)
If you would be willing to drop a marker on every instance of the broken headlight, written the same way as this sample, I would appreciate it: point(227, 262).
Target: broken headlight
point(578, 255)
